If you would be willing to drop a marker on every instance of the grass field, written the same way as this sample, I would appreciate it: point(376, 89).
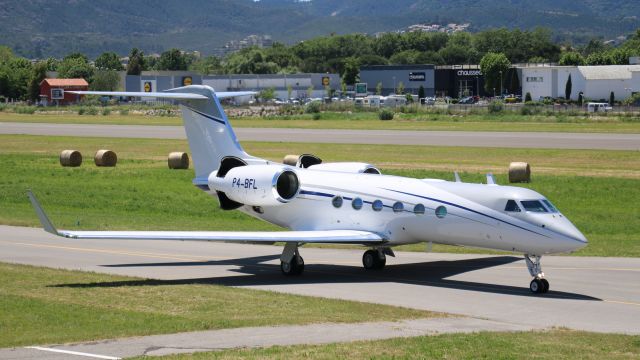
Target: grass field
point(597, 190)
point(552, 345)
point(44, 306)
point(338, 120)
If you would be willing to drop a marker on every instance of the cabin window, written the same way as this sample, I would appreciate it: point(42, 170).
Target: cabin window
point(533, 206)
point(441, 212)
point(337, 201)
point(512, 206)
point(418, 209)
point(377, 205)
point(398, 207)
point(550, 206)
point(357, 203)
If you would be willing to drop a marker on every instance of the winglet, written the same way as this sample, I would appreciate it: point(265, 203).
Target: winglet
point(44, 220)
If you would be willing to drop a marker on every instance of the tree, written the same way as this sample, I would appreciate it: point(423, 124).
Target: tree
point(571, 58)
point(343, 89)
point(400, 88)
point(492, 65)
point(527, 97)
point(267, 94)
point(105, 80)
point(351, 71)
point(77, 55)
point(567, 88)
point(173, 60)
point(379, 88)
point(310, 91)
point(612, 99)
point(421, 92)
point(136, 62)
point(108, 61)
point(207, 66)
point(38, 73)
point(289, 91)
point(580, 98)
point(75, 68)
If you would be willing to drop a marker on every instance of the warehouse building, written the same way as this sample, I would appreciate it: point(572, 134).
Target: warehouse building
point(594, 82)
point(390, 76)
point(301, 85)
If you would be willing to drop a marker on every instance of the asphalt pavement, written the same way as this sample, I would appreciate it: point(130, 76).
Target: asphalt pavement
point(552, 140)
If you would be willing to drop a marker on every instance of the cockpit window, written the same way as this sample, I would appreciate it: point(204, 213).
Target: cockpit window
point(550, 206)
point(512, 206)
point(533, 206)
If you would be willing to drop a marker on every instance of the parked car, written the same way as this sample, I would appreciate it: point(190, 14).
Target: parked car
point(598, 107)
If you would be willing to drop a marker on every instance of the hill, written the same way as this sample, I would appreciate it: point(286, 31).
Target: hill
point(41, 28)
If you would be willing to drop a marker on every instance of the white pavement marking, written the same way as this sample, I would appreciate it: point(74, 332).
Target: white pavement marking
point(73, 353)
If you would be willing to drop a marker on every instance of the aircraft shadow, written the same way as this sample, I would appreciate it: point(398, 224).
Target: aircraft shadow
point(434, 273)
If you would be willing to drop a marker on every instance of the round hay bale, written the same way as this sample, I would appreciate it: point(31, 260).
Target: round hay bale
point(71, 158)
point(105, 158)
point(519, 172)
point(291, 160)
point(178, 160)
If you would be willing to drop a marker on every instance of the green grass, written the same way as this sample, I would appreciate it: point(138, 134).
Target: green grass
point(141, 193)
point(43, 306)
point(556, 344)
point(369, 121)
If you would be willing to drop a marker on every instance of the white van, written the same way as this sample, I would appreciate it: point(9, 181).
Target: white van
point(598, 107)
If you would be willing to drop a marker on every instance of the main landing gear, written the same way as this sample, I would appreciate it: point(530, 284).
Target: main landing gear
point(291, 263)
point(376, 258)
point(539, 285)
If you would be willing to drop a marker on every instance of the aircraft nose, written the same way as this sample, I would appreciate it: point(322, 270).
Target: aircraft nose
point(574, 236)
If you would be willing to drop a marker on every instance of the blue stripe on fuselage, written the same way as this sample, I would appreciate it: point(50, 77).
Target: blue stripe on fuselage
point(207, 116)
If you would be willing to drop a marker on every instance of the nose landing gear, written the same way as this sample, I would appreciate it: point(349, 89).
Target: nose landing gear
point(539, 285)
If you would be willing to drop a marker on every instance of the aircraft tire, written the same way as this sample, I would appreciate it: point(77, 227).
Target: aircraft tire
point(294, 267)
point(545, 283)
point(370, 259)
point(536, 286)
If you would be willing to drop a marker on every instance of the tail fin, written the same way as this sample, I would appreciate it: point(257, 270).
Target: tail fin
point(209, 133)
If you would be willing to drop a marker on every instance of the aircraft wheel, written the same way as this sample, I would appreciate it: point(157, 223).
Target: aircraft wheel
point(294, 267)
point(545, 283)
point(371, 260)
point(536, 286)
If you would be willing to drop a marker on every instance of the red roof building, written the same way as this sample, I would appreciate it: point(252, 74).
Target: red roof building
point(54, 91)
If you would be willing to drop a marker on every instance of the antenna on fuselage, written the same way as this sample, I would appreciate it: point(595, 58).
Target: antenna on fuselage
point(490, 179)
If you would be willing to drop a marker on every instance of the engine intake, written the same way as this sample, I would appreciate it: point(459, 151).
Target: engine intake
point(257, 185)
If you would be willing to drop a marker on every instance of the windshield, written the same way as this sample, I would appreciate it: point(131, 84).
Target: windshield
point(533, 206)
point(550, 206)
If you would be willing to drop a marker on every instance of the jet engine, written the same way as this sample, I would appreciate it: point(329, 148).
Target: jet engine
point(256, 185)
point(348, 167)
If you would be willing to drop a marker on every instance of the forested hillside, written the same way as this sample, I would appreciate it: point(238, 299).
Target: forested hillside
point(43, 28)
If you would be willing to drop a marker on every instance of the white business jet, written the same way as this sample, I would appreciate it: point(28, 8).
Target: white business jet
point(347, 203)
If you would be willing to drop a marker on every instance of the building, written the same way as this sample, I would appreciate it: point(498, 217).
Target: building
point(54, 91)
point(301, 85)
point(459, 81)
point(594, 82)
point(390, 77)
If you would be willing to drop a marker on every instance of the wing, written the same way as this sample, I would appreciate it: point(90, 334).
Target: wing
point(165, 95)
point(321, 236)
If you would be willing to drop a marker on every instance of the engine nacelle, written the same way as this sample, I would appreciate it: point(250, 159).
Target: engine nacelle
point(258, 185)
point(347, 167)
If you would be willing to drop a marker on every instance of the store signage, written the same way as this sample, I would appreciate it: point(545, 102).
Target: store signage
point(417, 76)
point(469, 73)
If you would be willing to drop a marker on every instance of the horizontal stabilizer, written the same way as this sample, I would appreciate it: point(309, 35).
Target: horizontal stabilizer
point(164, 95)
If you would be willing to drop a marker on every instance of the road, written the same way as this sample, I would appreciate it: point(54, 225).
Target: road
point(385, 137)
point(593, 294)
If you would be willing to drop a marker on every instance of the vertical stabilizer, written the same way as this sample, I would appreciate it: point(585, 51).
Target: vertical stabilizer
point(208, 131)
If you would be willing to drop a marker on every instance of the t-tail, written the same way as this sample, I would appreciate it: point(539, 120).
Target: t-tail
point(213, 144)
point(210, 135)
